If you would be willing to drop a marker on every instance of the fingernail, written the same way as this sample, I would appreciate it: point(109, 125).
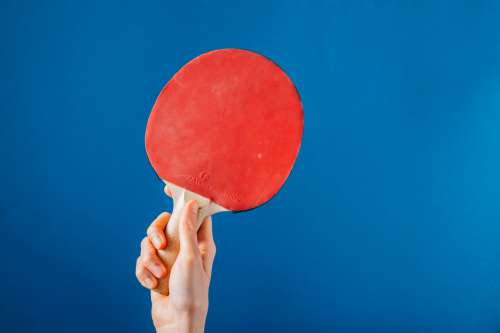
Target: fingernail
point(157, 241)
point(158, 270)
point(148, 282)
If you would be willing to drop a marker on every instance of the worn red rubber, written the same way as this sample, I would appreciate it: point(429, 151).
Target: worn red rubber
point(227, 126)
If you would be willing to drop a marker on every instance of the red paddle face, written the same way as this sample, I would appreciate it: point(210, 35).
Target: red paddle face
point(228, 126)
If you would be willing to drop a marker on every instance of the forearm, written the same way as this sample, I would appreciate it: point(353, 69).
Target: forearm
point(186, 322)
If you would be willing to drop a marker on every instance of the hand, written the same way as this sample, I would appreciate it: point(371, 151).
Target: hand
point(185, 309)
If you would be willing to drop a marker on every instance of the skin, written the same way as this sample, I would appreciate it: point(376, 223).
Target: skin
point(185, 309)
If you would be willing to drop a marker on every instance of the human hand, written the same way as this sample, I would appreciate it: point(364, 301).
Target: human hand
point(185, 308)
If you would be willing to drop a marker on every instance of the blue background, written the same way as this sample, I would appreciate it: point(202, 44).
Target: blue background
point(390, 221)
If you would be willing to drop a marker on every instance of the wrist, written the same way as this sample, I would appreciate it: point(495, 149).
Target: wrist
point(185, 322)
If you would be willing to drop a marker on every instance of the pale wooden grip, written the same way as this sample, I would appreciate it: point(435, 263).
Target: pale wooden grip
point(181, 197)
point(168, 256)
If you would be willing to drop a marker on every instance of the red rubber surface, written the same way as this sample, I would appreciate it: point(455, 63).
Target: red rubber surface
point(227, 126)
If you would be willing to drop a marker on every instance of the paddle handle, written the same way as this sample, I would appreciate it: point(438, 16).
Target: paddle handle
point(180, 198)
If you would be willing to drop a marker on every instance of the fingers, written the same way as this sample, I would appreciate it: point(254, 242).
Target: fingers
point(207, 245)
point(187, 233)
point(150, 260)
point(156, 231)
point(144, 276)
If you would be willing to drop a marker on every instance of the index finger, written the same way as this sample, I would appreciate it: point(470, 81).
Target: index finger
point(156, 231)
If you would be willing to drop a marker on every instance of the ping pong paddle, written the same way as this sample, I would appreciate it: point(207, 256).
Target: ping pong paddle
point(225, 131)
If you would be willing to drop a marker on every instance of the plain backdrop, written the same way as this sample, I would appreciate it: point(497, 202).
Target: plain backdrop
point(389, 222)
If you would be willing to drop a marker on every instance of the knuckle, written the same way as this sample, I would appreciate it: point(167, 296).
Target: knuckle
point(148, 258)
point(137, 267)
point(145, 279)
point(209, 251)
point(139, 272)
point(163, 214)
point(159, 220)
point(152, 233)
point(146, 247)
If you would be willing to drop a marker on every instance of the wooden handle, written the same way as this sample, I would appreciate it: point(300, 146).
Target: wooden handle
point(181, 197)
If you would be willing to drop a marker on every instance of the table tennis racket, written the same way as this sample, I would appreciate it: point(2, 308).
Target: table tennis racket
point(225, 131)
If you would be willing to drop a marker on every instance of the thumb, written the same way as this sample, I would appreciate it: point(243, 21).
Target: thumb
point(188, 238)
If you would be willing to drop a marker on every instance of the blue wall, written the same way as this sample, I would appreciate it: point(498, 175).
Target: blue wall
point(390, 221)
